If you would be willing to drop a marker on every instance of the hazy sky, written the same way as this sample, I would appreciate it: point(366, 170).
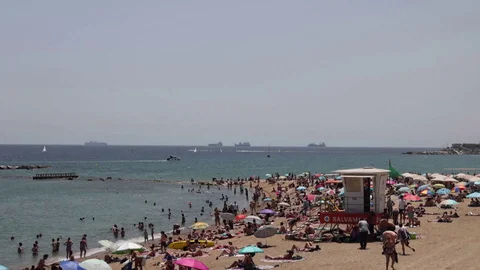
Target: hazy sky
point(350, 73)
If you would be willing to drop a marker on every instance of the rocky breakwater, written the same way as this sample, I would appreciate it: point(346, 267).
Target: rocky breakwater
point(23, 167)
point(455, 149)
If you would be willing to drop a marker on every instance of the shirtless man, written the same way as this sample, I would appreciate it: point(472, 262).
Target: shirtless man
point(41, 264)
point(410, 213)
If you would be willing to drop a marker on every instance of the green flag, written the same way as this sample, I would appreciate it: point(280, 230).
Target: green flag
point(393, 173)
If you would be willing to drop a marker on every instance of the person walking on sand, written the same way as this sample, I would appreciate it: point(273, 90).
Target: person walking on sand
point(390, 205)
point(151, 230)
point(68, 247)
point(389, 242)
point(403, 236)
point(363, 233)
point(401, 209)
point(216, 213)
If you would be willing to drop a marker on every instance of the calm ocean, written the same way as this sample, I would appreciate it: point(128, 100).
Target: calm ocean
point(53, 208)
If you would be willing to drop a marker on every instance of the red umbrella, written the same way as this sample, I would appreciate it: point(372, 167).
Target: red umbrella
point(240, 217)
point(333, 182)
point(411, 197)
point(311, 197)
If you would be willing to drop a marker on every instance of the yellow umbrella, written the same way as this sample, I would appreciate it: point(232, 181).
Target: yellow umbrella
point(438, 186)
point(199, 226)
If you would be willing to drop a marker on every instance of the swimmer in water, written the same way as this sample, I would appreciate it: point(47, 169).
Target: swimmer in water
point(154, 204)
point(169, 215)
point(163, 210)
point(203, 209)
point(183, 219)
point(190, 204)
point(182, 186)
point(196, 220)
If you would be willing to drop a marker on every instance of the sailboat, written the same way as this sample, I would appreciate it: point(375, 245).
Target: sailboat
point(44, 149)
point(221, 151)
point(195, 150)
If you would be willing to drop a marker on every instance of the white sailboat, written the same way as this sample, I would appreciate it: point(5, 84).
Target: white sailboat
point(44, 149)
point(195, 150)
point(221, 151)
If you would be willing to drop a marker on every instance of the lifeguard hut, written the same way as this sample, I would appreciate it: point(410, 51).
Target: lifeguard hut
point(359, 200)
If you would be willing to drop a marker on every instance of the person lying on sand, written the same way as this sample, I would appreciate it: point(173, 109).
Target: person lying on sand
point(444, 219)
point(229, 250)
point(260, 245)
point(287, 256)
point(307, 248)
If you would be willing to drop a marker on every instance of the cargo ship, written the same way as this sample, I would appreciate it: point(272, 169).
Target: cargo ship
point(317, 145)
point(242, 144)
point(95, 144)
point(219, 144)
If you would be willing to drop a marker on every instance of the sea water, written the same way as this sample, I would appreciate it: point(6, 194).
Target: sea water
point(54, 207)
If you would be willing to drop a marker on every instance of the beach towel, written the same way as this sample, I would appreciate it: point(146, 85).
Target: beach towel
point(282, 261)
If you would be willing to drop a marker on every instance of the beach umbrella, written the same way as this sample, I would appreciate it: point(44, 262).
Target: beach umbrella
point(282, 177)
point(400, 185)
point(321, 189)
point(477, 183)
point(330, 192)
point(439, 186)
point(250, 249)
point(240, 217)
point(338, 178)
point(461, 183)
point(411, 197)
point(267, 211)
point(268, 175)
point(423, 187)
point(449, 179)
point(449, 202)
point(199, 226)
point(284, 204)
point(403, 190)
point(191, 263)
point(473, 195)
point(474, 179)
point(95, 264)
point(427, 192)
point(227, 216)
point(443, 191)
point(413, 186)
point(267, 200)
point(322, 178)
point(301, 188)
point(70, 265)
point(253, 218)
point(265, 232)
point(127, 247)
point(3, 267)
point(311, 197)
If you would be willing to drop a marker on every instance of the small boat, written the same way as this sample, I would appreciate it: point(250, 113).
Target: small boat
point(173, 158)
point(44, 149)
point(221, 151)
point(195, 150)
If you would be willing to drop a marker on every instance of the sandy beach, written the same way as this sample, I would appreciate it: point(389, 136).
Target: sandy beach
point(440, 246)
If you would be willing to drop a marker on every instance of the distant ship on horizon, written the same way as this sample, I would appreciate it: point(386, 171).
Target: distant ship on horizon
point(219, 144)
point(317, 145)
point(95, 144)
point(242, 144)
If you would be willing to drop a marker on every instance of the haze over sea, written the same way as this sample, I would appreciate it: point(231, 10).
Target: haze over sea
point(53, 207)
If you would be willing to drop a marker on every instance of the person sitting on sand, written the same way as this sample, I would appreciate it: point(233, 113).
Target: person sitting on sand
point(282, 228)
point(260, 245)
point(454, 215)
point(247, 263)
point(307, 248)
point(287, 256)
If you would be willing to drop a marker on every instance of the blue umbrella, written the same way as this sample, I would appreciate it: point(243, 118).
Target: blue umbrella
point(268, 175)
point(3, 267)
point(250, 249)
point(443, 191)
point(404, 190)
point(420, 188)
point(301, 188)
point(321, 189)
point(267, 211)
point(338, 178)
point(71, 265)
point(267, 200)
point(322, 178)
point(473, 195)
point(477, 183)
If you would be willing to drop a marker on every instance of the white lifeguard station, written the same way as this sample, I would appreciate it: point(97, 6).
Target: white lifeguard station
point(358, 198)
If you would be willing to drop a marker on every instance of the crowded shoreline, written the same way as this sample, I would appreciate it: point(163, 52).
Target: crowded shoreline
point(276, 189)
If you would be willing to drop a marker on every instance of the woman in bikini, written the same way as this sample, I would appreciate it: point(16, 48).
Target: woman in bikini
point(389, 242)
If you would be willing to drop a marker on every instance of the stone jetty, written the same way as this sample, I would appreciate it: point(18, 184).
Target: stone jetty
point(455, 149)
point(23, 167)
